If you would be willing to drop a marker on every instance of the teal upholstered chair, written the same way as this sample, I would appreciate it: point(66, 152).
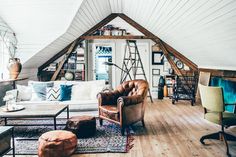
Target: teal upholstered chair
point(214, 111)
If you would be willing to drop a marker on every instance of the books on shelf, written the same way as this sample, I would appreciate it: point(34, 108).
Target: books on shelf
point(52, 67)
point(80, 50)
point(80, 67)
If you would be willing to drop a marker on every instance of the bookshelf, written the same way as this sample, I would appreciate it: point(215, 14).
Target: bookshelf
point(76, 64)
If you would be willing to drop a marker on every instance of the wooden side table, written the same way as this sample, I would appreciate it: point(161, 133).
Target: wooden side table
point(6, 135)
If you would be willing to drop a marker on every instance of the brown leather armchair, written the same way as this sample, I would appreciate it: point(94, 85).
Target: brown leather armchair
point(125, 105)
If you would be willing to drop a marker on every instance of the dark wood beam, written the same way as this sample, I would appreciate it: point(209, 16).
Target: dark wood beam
point(173, 66)
point(185, 60)
point(79, 40)
point(156, 39)
point(115, 37)
point(54, 77)
point(220, 73)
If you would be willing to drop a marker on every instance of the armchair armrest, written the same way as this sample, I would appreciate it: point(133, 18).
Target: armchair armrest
point(129, 100)
point(107, 98)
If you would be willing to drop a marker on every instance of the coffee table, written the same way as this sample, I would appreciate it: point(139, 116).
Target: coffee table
point(36, 111)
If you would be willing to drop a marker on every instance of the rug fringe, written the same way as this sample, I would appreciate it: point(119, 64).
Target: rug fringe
point(130, 140)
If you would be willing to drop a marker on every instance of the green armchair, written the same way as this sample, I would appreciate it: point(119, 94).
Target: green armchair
point(214, 111)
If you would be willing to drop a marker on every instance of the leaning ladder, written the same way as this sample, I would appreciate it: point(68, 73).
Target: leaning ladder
point(132, 64)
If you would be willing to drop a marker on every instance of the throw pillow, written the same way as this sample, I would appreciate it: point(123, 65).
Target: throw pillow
point(53, 93)
point(65, 92)
point(39, 90)
point(24, 93)
point(81, 92)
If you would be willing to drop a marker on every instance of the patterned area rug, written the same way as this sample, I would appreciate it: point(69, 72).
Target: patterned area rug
point(108, 138)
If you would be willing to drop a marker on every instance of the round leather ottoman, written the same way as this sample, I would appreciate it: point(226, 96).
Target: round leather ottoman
point(82, 126)
point(57, 143)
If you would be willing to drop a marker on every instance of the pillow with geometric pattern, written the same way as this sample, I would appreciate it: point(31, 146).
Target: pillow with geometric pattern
point(53, 93)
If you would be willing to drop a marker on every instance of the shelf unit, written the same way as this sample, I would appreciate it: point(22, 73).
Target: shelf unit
point(75, 64)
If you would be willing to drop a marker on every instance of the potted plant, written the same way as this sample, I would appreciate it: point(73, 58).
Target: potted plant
point(14, 66)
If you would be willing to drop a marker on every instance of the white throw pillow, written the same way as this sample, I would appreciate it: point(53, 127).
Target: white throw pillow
point(95, 91)
point(24, 93)
point(81, 92)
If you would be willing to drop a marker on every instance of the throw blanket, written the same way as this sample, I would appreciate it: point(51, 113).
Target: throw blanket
point(229, 90)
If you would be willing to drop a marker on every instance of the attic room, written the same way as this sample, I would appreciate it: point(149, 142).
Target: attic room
point(117, 78)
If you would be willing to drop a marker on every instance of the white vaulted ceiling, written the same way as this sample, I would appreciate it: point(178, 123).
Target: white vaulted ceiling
point(202, 30)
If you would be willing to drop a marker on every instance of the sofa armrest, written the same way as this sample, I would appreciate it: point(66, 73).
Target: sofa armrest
point(107, 98)
point(130, 100)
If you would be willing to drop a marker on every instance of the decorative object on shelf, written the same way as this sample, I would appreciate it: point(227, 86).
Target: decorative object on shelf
point(171, 71)
point(155, 71)
point(179, 64)
point(69, 76)
point(166, 66)
point(156, 48)
point(157, 58)
point(14, 67)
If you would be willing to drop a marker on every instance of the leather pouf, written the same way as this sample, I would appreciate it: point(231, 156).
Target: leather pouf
point(82, 126)
point(57, 143)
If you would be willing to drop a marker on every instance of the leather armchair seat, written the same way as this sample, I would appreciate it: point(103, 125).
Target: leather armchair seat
point(125, 105)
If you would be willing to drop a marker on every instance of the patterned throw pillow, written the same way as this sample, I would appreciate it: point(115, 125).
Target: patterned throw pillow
point(53, 93)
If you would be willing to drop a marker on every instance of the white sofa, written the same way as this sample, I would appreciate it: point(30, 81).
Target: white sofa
point(83, 99)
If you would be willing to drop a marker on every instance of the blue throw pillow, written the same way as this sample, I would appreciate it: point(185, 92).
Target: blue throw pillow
point(65, 92)
point(39, 90)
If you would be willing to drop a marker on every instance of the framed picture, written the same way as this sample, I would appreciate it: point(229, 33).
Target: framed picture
point(155, 71)
point(166, 66)
point(157, 58)
point(155, 81)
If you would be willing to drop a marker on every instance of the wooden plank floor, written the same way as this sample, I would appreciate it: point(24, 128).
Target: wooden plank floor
point(174, 131)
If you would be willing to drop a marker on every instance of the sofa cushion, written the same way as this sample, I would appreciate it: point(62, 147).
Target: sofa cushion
point(81, 92)
point(53, 93)
point(39, 90)
point(65, 92)
point(24, 93)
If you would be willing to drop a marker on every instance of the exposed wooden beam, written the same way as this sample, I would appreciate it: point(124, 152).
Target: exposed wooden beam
point(166, 53)
point(137, 26)
point(72, 46)
point(220, 73)
point(156, 39)
point(185, 60)
point(115, 37)
point(90, 31)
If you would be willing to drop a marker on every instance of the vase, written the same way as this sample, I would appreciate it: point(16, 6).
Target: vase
point(14, 67)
